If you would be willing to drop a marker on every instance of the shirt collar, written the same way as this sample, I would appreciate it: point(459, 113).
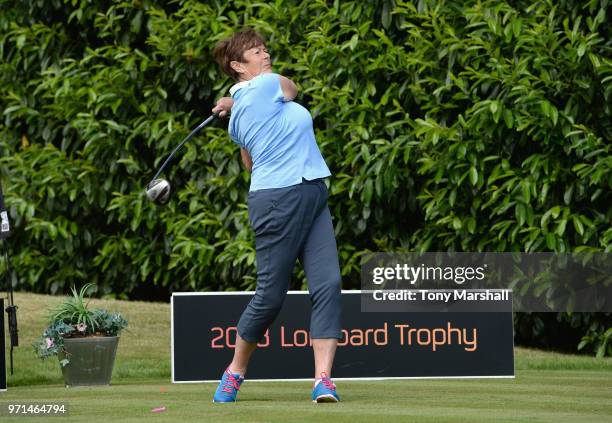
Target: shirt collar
point(239, 85)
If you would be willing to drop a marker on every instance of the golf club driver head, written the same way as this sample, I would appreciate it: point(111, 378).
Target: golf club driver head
point(158, 191)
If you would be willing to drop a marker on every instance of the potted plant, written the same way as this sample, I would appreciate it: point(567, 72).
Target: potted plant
point(84, 340)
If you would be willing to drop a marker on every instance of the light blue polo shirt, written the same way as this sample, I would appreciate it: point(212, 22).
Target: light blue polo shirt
point(277, 134)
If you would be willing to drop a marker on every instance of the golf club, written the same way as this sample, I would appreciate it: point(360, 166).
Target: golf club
point(158, 190)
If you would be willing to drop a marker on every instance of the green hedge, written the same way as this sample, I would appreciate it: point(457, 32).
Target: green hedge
point(461, 126)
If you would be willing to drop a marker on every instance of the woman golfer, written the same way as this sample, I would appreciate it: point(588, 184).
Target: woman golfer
point(287, 205)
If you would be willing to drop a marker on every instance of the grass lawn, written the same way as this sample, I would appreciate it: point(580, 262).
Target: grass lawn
point(548, 387)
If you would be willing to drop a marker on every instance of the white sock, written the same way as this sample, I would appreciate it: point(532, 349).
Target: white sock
point(235, 373)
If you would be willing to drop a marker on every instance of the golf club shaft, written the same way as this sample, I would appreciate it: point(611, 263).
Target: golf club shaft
point(187, 138)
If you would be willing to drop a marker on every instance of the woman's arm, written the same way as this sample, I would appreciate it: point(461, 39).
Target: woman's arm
point(246, 159)
point(289, 88)
point(223, 106)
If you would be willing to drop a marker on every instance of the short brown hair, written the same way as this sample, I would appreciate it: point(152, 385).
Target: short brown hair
point(233, 48)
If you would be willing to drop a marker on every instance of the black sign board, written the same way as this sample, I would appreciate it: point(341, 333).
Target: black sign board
point(2, 349)
point(374, 345)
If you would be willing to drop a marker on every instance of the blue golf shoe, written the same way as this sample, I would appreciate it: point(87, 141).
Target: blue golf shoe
point(228, 387)
point(325, 390)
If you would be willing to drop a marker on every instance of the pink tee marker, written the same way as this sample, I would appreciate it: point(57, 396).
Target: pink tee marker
point(158, 410)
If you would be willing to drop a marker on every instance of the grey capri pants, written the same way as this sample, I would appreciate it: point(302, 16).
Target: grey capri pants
point(293, 223)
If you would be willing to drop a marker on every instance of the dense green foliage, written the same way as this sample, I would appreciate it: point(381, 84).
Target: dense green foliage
point(465, 126)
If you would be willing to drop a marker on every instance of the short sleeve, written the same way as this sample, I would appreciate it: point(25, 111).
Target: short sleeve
point(233, 135)
point(236, 141)
point(268, 87)
point(256, 104)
